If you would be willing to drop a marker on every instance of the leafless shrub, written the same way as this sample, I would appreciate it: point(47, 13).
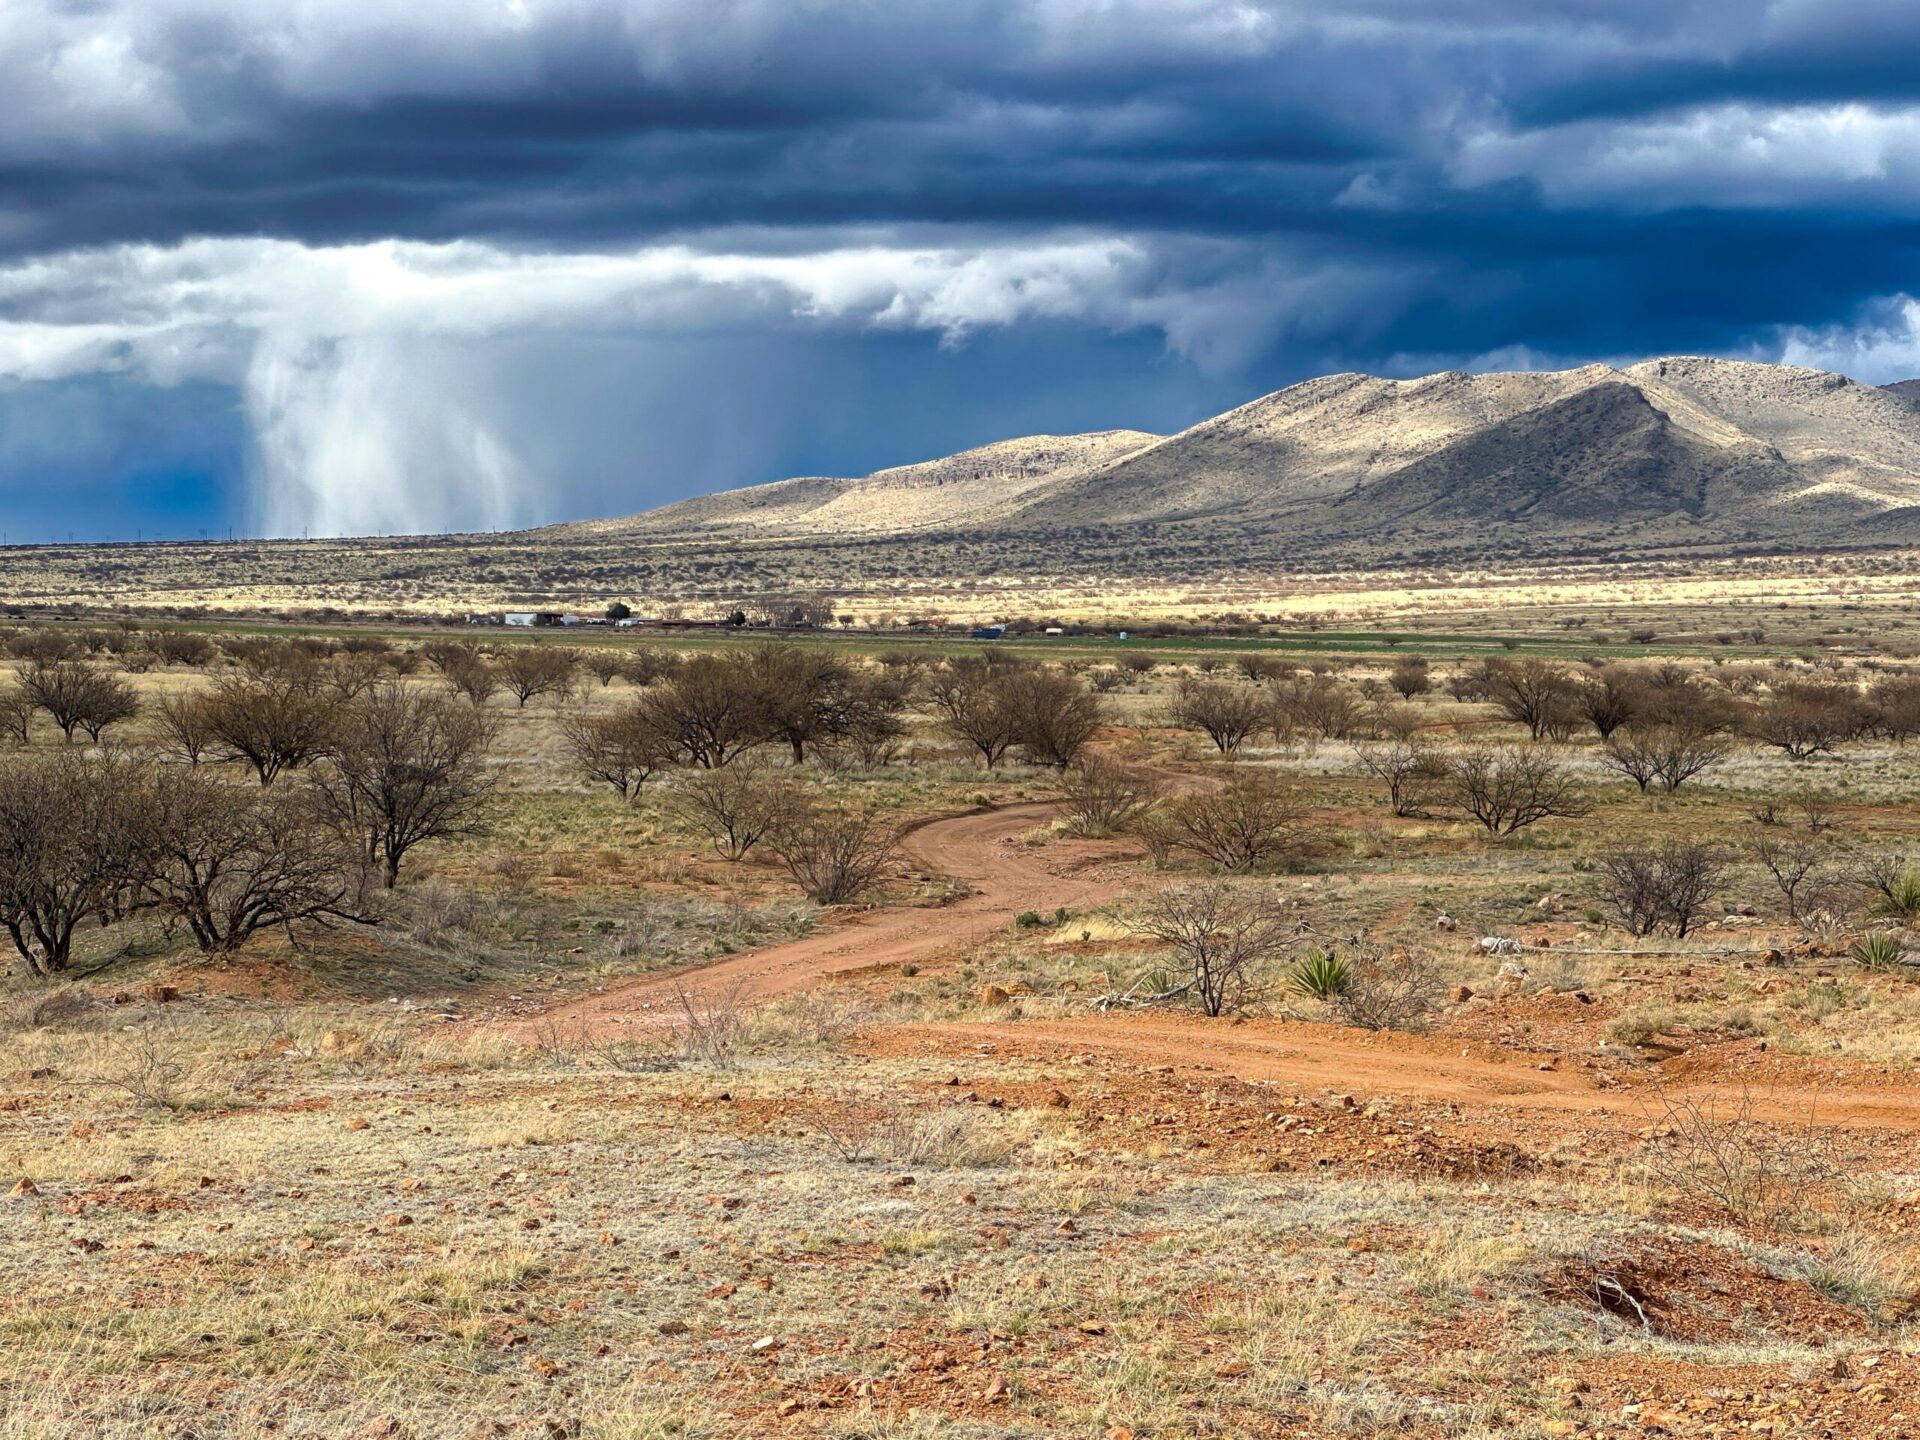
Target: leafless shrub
point(274, 721)
point(1156, 828)
point(78, 695)
point(1397, 991)
point(733, 807)
point(834, 855)
point(1319, 704)
point(1661, 888)
point(183, 726)
point(1227, 714)
point(1104, 796)
point(529, 671)
point(707, 712)
point(1795, 866)
point(1806, 718)
point(471, 674)
point(1053, 715)
point(1669, 753)
point(1509, 787)
point(66, 847)
point(405, 766)
point(1538, 694)
point(604, 665)
point(145, 1065)
point(970, 698)
point(1410, 769)
point(1252, 819)
point(712, 1027)
point(622, 749)
point(1223, 934)
point(1729, 1155)
point(227, 862)
point(16, 715)
point(917, 1136)
point(1410, 676)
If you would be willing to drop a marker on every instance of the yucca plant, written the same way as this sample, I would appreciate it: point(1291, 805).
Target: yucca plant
point(1322, 975)
point(1878, 951)
point(1901, 897)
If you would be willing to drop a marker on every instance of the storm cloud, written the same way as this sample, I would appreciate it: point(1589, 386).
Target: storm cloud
point(345, 266)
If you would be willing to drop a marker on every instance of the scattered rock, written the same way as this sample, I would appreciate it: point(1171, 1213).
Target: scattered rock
point(994, 995)
point(24, 1188)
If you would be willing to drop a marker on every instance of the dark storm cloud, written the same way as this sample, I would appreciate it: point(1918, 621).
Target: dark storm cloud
point(1262, 188)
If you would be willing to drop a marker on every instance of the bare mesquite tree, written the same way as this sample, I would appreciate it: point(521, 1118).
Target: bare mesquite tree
point(621, 749)
point(1226, 713)
point(969, 697)
point(16, 714)
point(1222, 932)
point(1410, 676)
point(1664, 887)
point(471, 674)
point(1509, 787)
point(1609, 699)
point(66, 851)
point(1054, 716)
point(1321, 705)
point(181, 726)
point(1806, 718)
point(708, 711)
point(1538, 694)
point(1411, 769)
point(1251, 820)
point(79, 696)
point(530, 671)
point(227, 861)
point(734, 806)
point(1104, 796)
point(803, 691)
point(1665, 753)
point(1796, 865)
point(274, 721)
point(405, 766)
point(834, 855)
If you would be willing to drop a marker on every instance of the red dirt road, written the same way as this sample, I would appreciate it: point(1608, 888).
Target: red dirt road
point(980, 849)
point(1417, 1067)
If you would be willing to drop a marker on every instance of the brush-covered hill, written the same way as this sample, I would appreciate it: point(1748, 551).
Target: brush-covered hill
point(1663, 456)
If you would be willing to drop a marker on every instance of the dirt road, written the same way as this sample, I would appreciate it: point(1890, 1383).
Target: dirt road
point(979, 849)
point(1420, 1067)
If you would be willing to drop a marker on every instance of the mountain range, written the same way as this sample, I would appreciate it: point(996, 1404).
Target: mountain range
point(1677, 454)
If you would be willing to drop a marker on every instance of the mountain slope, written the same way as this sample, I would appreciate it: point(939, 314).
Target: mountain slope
point(1675, 452)
point(970, 488)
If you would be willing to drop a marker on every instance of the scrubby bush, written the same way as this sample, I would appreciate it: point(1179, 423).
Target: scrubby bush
point(1252, 819)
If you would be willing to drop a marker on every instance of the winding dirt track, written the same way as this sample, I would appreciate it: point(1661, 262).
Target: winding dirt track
point(1428, 1068)
point(979, 849)
point(1003, 878)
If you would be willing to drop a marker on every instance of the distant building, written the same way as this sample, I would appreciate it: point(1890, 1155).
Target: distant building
point(528, 618)
point(989, 632)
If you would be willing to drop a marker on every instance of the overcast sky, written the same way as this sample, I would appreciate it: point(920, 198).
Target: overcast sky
point(357, 265)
